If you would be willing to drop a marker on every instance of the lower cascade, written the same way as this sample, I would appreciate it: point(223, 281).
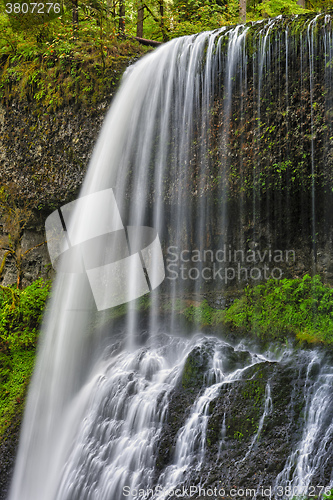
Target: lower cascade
point(160, 422)
point(131, 401)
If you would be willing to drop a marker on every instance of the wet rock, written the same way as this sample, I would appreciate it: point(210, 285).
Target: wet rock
point(8, 450)
point(242, 449)
point(195, 368)
point(233, 359)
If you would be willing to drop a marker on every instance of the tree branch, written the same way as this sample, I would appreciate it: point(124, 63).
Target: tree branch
point(33, 248)
point(153, 15)
point(4, 262)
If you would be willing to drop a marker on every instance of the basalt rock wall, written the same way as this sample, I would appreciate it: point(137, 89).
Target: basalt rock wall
point(263, 159)
point(44, 156)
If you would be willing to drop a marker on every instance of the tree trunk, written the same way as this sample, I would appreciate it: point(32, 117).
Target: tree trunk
point(242, 10)
point(164, 33)
point(75, 14)
point(121, 18)
point(139, 24)
point(144, 41)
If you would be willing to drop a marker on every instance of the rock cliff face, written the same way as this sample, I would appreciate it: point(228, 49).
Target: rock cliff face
point(46, 153)
point(268, 150)
point(265, 426)
point(8, 449)
point(45, 156)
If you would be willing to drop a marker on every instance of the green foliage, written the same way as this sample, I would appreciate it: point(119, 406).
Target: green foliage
point(272, 8)
point(24, 16)
point(56, 62)
point(277, 308)
point(238, 435)
point(55, 66)
point(319, 5)
point(20, 321)
point(201, 314)
point(193, 16)
point(15, 371)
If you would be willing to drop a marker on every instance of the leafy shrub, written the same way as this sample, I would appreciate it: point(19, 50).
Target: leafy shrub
point(13, 388)
point(272, 310)
point(20, 318)
point(275, 308)
point(201, 314)
point(273, 8)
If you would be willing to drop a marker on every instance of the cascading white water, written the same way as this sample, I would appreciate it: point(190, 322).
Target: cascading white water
point(147, 114)
point(102, 388)
point(267, 410)
point(306, 463)
point(128, 400)
point(191, 439)
point(114, 452)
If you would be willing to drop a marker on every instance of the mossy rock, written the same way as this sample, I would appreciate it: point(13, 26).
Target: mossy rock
point(195, 367)
point(233, 359)
point(242, 402)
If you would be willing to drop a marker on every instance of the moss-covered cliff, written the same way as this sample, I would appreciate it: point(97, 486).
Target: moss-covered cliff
point(50, 116)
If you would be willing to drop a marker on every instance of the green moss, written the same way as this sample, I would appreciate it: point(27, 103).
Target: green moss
point(242, 417)
point(253, 394)
point(254, 389)
point(194, 369)
point(62, 69)
point(240, 428)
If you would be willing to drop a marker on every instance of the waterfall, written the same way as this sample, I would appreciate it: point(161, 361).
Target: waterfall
point(128, 403)
point(306, 464)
